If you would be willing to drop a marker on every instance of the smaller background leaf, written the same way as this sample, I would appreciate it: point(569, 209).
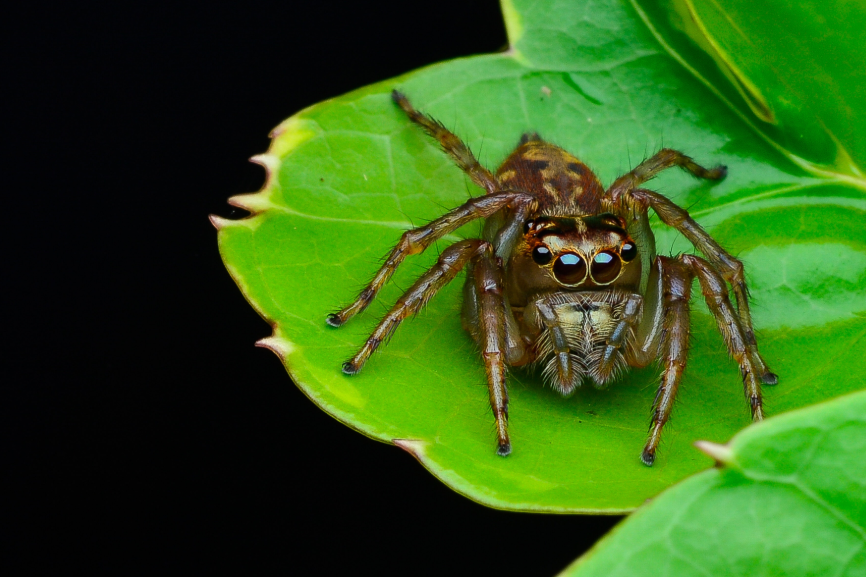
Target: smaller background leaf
point(791, 501)
point(804, 81)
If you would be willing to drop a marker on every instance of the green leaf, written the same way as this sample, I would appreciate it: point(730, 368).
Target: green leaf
point(804, 81)
point(347, 176)
point(789, 500)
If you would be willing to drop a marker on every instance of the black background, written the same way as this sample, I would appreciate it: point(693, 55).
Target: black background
point(140, 428)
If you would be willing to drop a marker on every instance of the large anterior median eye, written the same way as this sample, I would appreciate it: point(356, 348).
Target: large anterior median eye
point(605, 267)
point(569, 269)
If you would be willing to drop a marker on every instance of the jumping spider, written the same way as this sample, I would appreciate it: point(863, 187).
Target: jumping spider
point(567, 276)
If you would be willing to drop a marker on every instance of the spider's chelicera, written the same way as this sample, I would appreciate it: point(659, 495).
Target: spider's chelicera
point(566, 276)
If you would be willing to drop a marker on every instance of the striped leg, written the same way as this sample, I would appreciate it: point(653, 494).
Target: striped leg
point(451, 261)
point(450, 144)
point(677, 281)
point(492, 332)
point(418, 239)
point(730, 268)
point(716, 294)
point(662, 160)
point(677, 288)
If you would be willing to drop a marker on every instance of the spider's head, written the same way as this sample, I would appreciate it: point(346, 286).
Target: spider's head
point(576, 253)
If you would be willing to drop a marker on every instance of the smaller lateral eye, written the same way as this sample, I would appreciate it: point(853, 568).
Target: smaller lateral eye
point(541, 255)
point(628, 251)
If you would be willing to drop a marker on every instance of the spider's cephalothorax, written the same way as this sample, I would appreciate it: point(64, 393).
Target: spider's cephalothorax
point(566, 276)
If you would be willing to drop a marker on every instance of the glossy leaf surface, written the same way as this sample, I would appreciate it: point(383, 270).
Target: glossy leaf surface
point(796, 71)
point(347, 176)
point(790, 500)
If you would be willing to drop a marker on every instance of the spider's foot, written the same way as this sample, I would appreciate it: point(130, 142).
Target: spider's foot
point(757, 407)
point(769, 378)
point(504, 448)
point(718, 172)
point(648, 457)
point(334, 320)
point(351, 368)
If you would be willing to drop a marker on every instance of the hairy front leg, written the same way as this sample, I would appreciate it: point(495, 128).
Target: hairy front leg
point(716, 294)
point(677, 288)
point(451, 261)
point(492, 331)
point(662, 160)
point(645, 347)
point(730, 268)
point(450, 143)
point(418, 239)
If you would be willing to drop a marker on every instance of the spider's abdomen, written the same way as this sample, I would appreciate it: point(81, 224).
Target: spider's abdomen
point(562, 183)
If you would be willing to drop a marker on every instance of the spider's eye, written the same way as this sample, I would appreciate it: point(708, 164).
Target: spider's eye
point(628, 251)
point(569, 269)
point(541, 255)
point(605, 267)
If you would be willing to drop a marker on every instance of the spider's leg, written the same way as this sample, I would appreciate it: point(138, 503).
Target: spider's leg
point(512, 228)
point(716, 294)
point(677, 280)
point(517, 353)
point(662, 160)
point(648, 336)
point(492, 329)
point(451, 261)
point(730, 268)
point(450, 143)
point(418, 239)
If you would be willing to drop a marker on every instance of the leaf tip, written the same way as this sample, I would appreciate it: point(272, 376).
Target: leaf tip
point(722, 454)
point(290, 134)
point(281, 347)
point(254, 202)
point(221, 223)
point(414, 447)
point(218, 222)
point(270, 163)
